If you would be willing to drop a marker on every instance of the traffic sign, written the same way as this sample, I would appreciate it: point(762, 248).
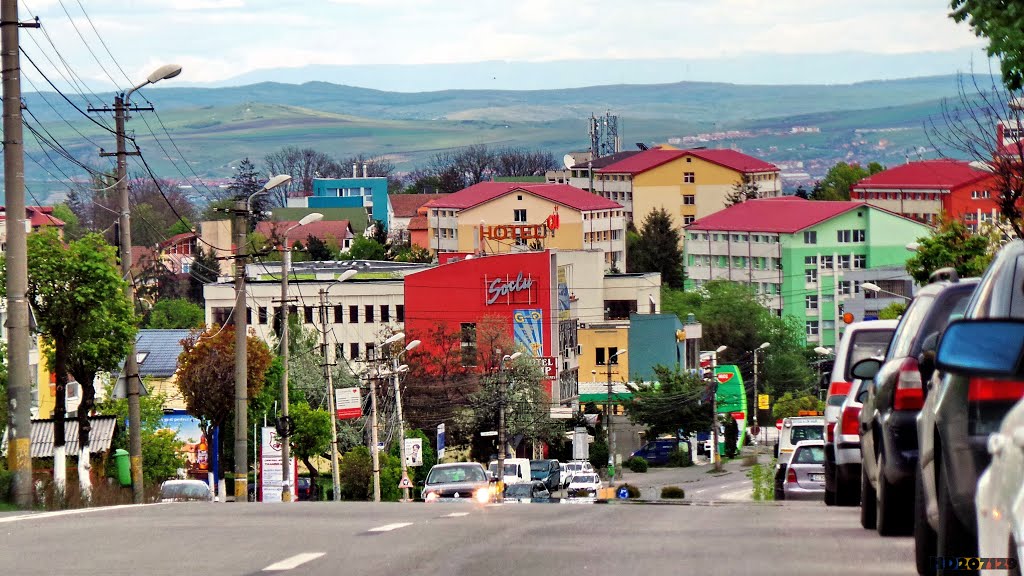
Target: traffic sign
point(489, 433)
point(405, 483)
point(778, 424)
point(762, 401)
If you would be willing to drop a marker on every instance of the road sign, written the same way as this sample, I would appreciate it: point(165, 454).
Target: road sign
point(623, 493)
point(405, 483)
point(440, 442)
point(414, 451)
point(762, 401)
point(778, 424)
point(348, 403)
point(489, 433)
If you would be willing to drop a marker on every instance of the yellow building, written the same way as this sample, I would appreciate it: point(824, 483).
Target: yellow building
point(688, 184)
point(499, 217)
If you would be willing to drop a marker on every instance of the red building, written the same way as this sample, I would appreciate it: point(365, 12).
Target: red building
point(924, 190)
point(515, 295)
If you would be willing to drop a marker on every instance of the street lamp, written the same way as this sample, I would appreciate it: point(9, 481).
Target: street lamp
point(714, 407)
point(763, 346)
point(240, 319)
point(285, 428)
point(501, 423)
point(871, 286)
point(331, 400)
point(395, 371)
point(608, 417)
point(131, 367)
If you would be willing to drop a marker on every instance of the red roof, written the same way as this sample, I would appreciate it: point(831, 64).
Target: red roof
point(37, 215)
point(407, 205)
point(655, 157)
point(563, 194)
point(418, 223)
point(923, 175)
point(178, 238)
point(339, 229)
point(784, 215)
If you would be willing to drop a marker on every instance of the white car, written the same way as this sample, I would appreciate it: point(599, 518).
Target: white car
point(570, 469)
point(847, 447)
point(584, 485)
point(185, 491)
point(1000, 496)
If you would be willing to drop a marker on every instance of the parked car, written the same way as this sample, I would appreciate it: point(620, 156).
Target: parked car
point(461, 481)
point(860, 340)
point(805, 473)
point(656, 451)
point(895, 396)
point(534, 491)
point(185, 491)
point(517, 470)
point(548, 472)
point(1000, 497)
point(304, 489)
point(584, 485)
point(847, 446)
point(794, 430)
point(961, 408)
point(570, 469)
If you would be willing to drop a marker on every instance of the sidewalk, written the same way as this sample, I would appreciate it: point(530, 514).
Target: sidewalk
point(690, 478)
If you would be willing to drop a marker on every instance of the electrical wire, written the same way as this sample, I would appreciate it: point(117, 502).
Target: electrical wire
point(64, 96)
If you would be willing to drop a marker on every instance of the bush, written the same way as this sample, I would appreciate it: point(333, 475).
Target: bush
point(763, 476)
point(633, 491)
point(6, 484)
point(637, 464)
point(673, 493)
point(679, 458)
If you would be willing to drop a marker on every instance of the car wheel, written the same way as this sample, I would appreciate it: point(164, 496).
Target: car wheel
point(924, 536)
point(867, 502)
point(830, 482)
point(1011, 553)
point(847, 492)
point(780, 477)
point(891, 513)
point(952, 537)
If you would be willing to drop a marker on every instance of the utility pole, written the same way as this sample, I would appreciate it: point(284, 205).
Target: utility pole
point(240, 317)
point(331, 400)
point(714, 409)
point(285, 428)
point(19, 390)
point(608, 423)
point(373, 438)
point(401, 426)
point(501, 422)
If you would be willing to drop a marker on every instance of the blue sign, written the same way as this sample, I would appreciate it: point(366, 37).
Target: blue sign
point(623, 493)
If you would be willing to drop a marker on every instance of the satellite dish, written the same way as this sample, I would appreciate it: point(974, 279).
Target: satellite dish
point(569, 161)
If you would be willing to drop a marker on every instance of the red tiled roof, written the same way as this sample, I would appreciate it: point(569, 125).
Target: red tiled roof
point(407, 205)
point(37, 215)
point(339, 229)
point(781, 215)
point(655, 157)
point(925, 174)
point(417, 223)
point(177, 238)
point(563, 194)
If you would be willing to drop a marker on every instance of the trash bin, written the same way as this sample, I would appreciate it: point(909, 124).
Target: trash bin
point(124, 467)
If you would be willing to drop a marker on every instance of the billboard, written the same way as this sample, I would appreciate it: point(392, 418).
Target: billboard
point(528, 327)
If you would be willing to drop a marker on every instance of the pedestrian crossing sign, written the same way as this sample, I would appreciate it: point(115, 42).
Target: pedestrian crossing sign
point(405, 483)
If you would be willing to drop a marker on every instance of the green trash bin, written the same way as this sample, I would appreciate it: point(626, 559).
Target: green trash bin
point(124, 467)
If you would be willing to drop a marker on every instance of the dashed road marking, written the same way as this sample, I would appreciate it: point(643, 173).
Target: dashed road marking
point(66, 512)
point(390, 527)
point(456, 515)
point(293, 562)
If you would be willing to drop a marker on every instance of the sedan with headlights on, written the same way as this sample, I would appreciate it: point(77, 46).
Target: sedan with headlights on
point(458, 482)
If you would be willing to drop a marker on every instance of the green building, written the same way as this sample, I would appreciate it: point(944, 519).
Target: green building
point(796, 254)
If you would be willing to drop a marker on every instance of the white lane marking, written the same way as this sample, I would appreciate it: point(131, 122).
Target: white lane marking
point(701, 490)
point(456, 515)
point(294, 561)
point(744, 494)
point(66, 512)
point(390, 527)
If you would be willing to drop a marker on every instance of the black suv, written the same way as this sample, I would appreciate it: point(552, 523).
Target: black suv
point(960, 411)
point(888, 419)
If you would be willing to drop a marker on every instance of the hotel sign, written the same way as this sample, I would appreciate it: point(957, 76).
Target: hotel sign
point(514, 232)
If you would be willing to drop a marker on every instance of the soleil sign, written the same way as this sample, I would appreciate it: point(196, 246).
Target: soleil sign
point(507, 287)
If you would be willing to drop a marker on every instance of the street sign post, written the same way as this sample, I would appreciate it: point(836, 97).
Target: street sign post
point(489, 433)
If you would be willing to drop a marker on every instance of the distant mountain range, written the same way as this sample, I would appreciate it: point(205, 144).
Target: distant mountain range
point(214, 128)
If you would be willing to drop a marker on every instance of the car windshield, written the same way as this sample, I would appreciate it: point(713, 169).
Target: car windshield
point(867, 344)
point(539, 466)
point(809, 455)
point(583, 479)
point(450, 474)
point(800, 433)
point(185, 491)
point(519, 490)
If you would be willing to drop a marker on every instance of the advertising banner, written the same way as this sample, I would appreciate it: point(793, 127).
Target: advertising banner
point(348, 403)
point(440, 442)
point(271, 471)
point(414, 451)
point(528, 327)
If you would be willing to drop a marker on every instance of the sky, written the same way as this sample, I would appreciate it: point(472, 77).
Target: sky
point(106, 42)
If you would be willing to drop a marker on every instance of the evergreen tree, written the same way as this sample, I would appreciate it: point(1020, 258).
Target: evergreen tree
point(744, 189)
point(659, 249)
point(245, 183)
point(317, 249)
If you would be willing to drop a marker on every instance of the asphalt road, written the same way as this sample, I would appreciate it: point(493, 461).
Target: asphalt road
point(451, 539)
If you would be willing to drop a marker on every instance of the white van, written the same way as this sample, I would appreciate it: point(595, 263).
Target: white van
point(517, 470)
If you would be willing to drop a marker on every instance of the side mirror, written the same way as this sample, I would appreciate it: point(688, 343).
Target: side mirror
point(982, 347)
point(866, 368)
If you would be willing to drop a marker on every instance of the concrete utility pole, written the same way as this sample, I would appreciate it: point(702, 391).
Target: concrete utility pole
point(240, 317)
point(19, 389)
point(331, 404)
point(756, 403)
point(373, 438)
point(608, 418)
point(395, 371)
point(501, 423)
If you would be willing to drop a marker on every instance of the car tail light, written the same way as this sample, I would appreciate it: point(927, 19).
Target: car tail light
point(909, 391)
point(830, 432)
point(989, 390)
point(791, 476)
point(849, 421)
point(837, 388)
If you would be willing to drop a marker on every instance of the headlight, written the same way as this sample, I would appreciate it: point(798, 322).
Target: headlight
point(431, 496)
point(482, 495)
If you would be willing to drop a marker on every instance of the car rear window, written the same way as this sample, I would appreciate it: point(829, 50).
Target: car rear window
point(801, 433)
point(836, 399)
point(809, 455)
point(867, 344)
point(909, 327)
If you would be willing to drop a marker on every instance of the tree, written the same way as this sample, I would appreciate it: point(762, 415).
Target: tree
point(510, 162)
point(788, 405)
point(1002, 24)
point(317, 249)
point(78, 296)
point(72, 227)
point(161, 449)
point(474, 161)
point(839, 179)
point(312, 434)
point(951, 244)
point(157, 206)
point(677, 402)
point(376, 167)
point(442, 174)
point(379, 233)
point(356, 472)
point(744, 189)
point(801, 192)
point(176, 313)
point(303, 165)
point(892, 311)
point(439, 384)
point(659, 249)
point(245, 183)
point(366, 249)
point(206, 374)
point(180, 227)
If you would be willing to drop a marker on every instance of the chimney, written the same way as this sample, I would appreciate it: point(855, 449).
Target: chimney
point(365, 172)
point(355, 170)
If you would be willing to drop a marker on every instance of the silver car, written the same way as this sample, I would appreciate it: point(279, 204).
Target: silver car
point(458, 482)
point(805, 475)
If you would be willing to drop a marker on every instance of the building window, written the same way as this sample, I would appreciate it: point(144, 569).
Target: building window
point(828, 325)
point(812, 327)
point(688, 178)
point(307, 314)
point(810, 237)
point(811, 275)
point(263, 314)
point(811, 302)
point(689, 199)
point(385, 313)
point(599, 358)
point(811, 260)
point(849, 287)
point(612, 358)
point(353, 314)
point(847, 236)
point(519, 215)
point(339, 314)
point(860, 261)
point(468, 339)
point(687, 220)
point(399, 313)
point(368, 310)
point(371, 351)
point(353, 350)
point(844, 262)
point(827, 263)
point(186, 267)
